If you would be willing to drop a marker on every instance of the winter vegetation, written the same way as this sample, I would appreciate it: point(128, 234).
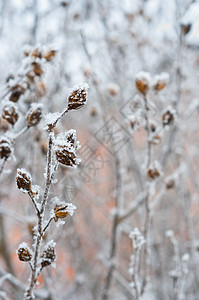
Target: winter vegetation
point(99, 150)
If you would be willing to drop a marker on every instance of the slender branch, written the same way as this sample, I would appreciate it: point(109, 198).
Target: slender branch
point(47, 225)
point(3, 165)
point(34, 202)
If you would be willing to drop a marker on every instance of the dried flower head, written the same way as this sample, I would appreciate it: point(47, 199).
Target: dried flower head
point(154, 170)
point(24, 253)
point(23, 180)
point(37, 69)
point(185, 28)
point(113, 89)
point(160, 81)
point(170, 183)
point(5, 147)
point(49, 55)
point(78, 96)
point(66, 146)
point(168, 116)
point(16, 92)
point(10, 113)
point(62, 210)
point(143, 81)
point(34, 114)
point(48, 254)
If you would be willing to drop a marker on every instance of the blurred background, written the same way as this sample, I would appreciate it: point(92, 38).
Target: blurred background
point(106, 44)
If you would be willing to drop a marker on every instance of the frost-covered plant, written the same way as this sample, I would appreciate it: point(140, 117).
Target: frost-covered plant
point(61, 149)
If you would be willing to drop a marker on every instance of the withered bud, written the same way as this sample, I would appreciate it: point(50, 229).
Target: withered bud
point(154, 171)
point(185, 28)
point(41, 88)
point(170, 184)
point(160, 81)
point(5, 147)
point(142, 81)
point(24, 253)
point(113, 89)
point(48, 254)
point(66, 146)
point(49, 55)
point(37, 69)
point(168, 116)
point(23, 180)
point(62, 210)
point(93, 112)
point(16, 92)
point(36, 53)
point(10, 113)
point(34, 114)
point(78, 96)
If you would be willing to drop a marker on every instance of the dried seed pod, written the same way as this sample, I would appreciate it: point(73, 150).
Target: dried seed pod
point(154, 171)
point(78, 96)
point(48, 254)
point(143, 81)
point(113, 89)
point(49, 55)
point(10, 113)
point(66, 146)
point(170, 184)
point(41, 88)
point(5, 147)
point(37, 69)
point(24, 253)
point(34, 114)
point(16, 92)
point(168, 117)
point(36, 53)
point(62, 210)
point(160, 81)
point(23, 180)
point(185, 28)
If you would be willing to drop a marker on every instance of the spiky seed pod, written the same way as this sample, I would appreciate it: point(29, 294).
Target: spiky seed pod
point(48, 254)
point(65, 148)
point(143, 82)
point(10, 113)
point(16, 92)
point(49, 55)
point(62, 210)
point(34, 115)
point(24, 253)
point(78, 96)
point(168, 117)
point(37, 69)
point(5, 147)
point(23, 180)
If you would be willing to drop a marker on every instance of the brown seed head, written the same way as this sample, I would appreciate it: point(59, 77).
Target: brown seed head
point(168, 117)
point(48, 254)
point(65, 148)
point(34, 115)
point(143, 82)
point(24, 253)
point(23, 180)
point(50, 54)
point(37, 69)
point(16, 92)
point(78, 96)
point(10, 113)
point(5, 147)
